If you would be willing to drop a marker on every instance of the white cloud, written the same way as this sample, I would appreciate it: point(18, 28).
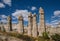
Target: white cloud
point(14, 22)
point(48, 24)
point(52, 24)
point(55, 22)
point(13, 18)
point(3, 16)
point(33, 8)
point(24, 13)
point(8, 2)
point(55, 18)
point(56, 13)
point(2, 5)
point(4, 20)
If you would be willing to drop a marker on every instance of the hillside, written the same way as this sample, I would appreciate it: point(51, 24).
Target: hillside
point(14, 36)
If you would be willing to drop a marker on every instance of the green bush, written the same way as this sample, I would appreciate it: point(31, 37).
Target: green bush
point(45, 35)
point(42, 39)
point(56, 37)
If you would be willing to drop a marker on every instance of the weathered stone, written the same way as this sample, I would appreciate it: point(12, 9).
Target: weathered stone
point(35, 28)
point(20, 25)
point(9, 23)
point(30, 25)
point(42, 24)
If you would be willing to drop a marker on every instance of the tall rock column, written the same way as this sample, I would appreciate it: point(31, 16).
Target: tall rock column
point(30, 24)
point(9, 23)
point(42, 24)
point(20, 25)
point(35, 28)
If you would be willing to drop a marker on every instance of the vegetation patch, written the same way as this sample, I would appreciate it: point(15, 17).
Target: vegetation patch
point(20, 36)
point(56, 37)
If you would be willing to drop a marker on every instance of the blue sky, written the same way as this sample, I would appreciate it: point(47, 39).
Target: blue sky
point(12, 7)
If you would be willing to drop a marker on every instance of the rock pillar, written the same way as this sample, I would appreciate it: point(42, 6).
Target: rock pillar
point(30, 24)
point(42, 24)
point(35, 28)
point(9, 23)
point(20, 25)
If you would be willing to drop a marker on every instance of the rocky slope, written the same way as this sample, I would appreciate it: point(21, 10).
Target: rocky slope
point(9, 38)
point(13, 36)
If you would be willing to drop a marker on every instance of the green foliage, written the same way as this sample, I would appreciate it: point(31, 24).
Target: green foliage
point(42, 39)
point(56, 37)
point(45, 35)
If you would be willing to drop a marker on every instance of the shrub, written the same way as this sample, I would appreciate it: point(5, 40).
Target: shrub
point(56, 37)
point(42, 39)
point(45, 35)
